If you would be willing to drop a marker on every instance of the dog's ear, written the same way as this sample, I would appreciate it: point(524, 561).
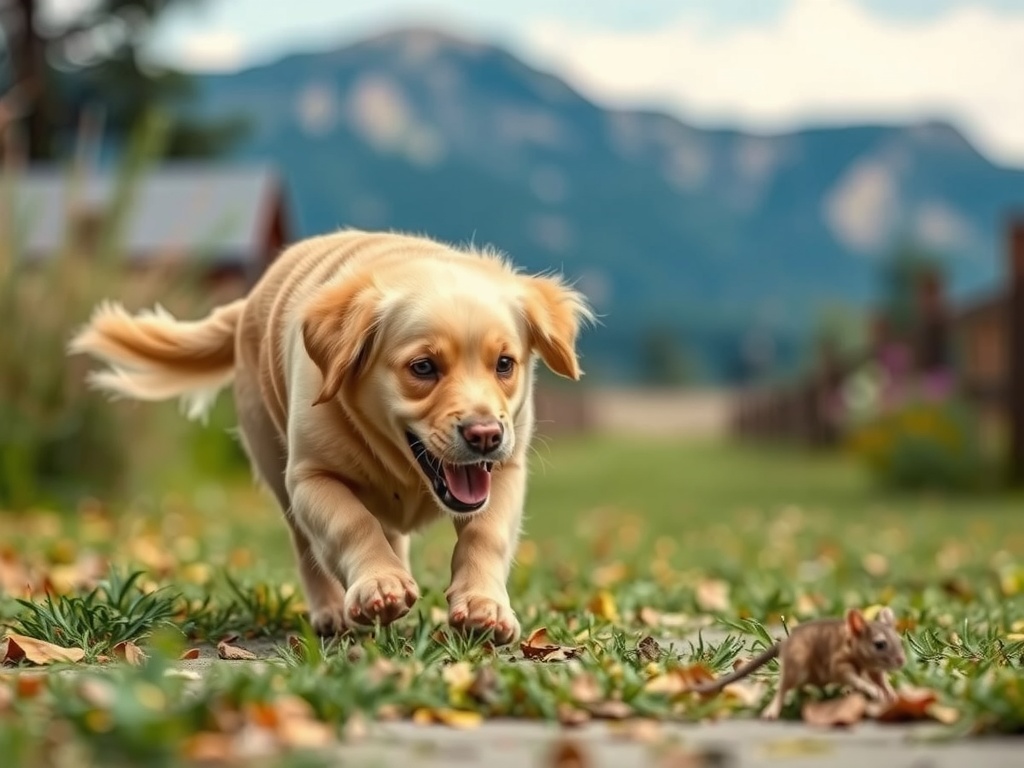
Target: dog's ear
point(554, 315)
point(337, 331)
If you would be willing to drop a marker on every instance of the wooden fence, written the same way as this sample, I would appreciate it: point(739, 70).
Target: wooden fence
point(977, 349)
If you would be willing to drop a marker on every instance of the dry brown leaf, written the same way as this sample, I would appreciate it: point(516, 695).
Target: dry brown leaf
point(538, 647)
point(585, 689)
point(712, 595)
point(570, 716)
point(910, 704)
point(234, 652)
point(190, 655)
point(648, 649)
point(209, 747)
point(20, 648)
point(679, 680)
point(130, 652)
point(843, 711)
point(568, 753)
point(303, 733)
point(485, 685)
point(654, 618)
point(610, 710)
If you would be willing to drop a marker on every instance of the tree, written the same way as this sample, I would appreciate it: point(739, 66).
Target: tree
point(663, 359)
point(51, 71)
point(900, 278)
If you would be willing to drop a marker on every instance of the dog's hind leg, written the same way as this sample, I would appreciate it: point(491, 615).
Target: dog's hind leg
point(325, 595)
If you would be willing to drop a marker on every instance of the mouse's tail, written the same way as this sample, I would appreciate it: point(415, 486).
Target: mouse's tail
point(753, 665)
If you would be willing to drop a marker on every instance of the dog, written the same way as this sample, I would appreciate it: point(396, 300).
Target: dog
point(381, 381)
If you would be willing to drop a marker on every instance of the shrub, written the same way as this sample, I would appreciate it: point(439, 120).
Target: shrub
point(923, 444)
point(59, 438)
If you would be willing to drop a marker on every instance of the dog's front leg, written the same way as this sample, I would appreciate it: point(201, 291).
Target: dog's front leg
point(478, 595)
point(350, 543)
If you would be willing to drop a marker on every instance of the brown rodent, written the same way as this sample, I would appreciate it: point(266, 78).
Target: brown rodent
point(851, 651)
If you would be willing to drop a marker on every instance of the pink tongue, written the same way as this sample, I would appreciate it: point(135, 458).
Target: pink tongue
point(469, 483)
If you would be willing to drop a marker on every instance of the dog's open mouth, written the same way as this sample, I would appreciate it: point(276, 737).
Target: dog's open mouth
point(460, 487)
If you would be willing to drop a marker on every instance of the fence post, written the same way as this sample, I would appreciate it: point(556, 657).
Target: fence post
point(1013, 391)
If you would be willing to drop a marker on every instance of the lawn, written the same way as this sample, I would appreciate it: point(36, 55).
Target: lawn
point(629, 543)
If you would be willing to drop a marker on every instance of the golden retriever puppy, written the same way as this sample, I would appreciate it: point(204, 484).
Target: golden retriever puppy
point(381, 381)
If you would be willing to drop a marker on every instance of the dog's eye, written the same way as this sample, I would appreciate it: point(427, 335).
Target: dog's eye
point(505, 365)
point(424, 368)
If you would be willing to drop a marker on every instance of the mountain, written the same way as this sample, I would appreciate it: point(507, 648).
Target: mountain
point(704, 235)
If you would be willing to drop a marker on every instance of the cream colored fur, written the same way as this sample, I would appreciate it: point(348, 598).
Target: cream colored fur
point(322, 354)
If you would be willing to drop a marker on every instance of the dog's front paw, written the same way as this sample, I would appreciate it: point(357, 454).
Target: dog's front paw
point(328, 620)
point(384, 596)
point(479, 614)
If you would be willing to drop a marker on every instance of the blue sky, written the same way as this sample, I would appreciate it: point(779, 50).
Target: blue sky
point(758, 64)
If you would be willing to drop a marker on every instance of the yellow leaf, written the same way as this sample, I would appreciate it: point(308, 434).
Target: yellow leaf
point(603, 606)
point(457, 718)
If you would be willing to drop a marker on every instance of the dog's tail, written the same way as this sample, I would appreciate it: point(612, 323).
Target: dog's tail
point(153, 356)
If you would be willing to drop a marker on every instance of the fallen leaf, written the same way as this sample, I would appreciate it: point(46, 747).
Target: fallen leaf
point(190, 655)
point(538, 647)
point(603, 606)
point(130, 652)
point(585, 689)
point(209, 747)
point(610, 574)
point(234, 652)
point(567, 753)
point(570, 716)
point(712, 595)
point(29, 684)
point(453, 718)
point(304, 733)
point(610, 710)
point(842, 711)
point(19, 648)
point(485, 685)
point(649, 650)
point(654, 618)
point(910, 704)
point(356, 728)
point(679, 680)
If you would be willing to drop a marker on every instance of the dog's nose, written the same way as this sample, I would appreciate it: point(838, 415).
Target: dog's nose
point(482, 436)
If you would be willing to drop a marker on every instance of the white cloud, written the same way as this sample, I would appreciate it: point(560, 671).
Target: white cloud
point(217, 50)
point(820, 60)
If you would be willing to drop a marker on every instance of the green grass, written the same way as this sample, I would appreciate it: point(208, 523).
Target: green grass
point(628, 544)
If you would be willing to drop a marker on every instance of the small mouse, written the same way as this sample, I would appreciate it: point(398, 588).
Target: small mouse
point(850, 650)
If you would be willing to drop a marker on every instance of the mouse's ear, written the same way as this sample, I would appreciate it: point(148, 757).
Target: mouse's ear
point(855, 621)
point(886, 616)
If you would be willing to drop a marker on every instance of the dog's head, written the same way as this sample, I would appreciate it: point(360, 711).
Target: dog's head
point(439, 356)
